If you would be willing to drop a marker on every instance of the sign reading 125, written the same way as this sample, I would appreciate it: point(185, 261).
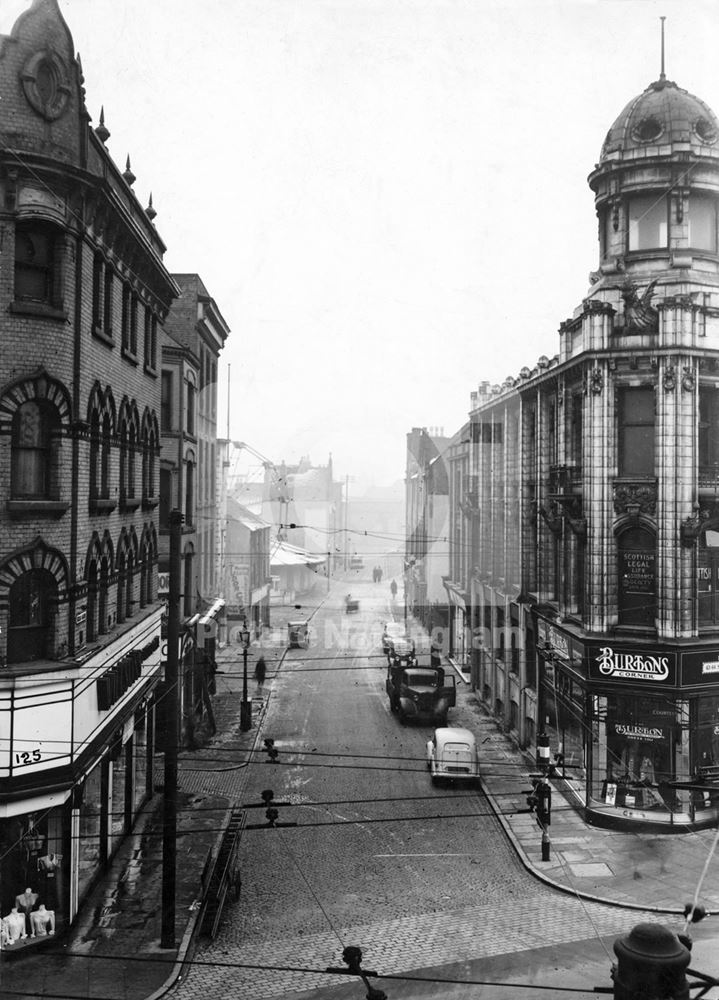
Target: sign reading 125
point(28, 756)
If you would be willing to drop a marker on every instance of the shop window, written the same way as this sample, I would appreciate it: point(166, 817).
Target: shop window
point(31, 613)
point(32, 872)
point(35, 430)
point(708, 576)
point(641, 745)
point(703, 222)
point(705, 752)
point(88, 844)
point(37, 256)
point(648, 222)
point(636, 431)
point(636, 551)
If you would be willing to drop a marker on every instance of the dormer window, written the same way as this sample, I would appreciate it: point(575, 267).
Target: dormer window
point(648, 222)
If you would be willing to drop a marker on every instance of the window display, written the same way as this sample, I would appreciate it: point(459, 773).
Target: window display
point(30, 877)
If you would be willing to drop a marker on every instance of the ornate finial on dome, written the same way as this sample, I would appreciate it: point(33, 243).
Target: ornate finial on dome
point(101, 132)
point(662, 75)
point(128, 174)
point(150, 211)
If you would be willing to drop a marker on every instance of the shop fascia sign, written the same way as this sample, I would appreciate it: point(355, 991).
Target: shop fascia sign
point(631, 665)
point(558, 643)
point(633, 732)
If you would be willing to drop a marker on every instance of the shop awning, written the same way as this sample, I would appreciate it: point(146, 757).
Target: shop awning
point(284, 554)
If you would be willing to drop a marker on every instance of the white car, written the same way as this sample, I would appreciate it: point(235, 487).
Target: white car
point(452, 755)
point(392, 631)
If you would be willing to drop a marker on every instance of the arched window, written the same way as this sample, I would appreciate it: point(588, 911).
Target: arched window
point(92, 600)
point(102, 596)
point(94, 456)
point(121, 585)
point(31, 615)
point(131, 458)
point(105, 457)
point(636, 550)
point(35, 429)
point(130, 587)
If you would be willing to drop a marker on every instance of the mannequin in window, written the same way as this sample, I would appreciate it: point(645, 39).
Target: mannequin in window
point(25, 902)
point(42, 922)
point(13, 926)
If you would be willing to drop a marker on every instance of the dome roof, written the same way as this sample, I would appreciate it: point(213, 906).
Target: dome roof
point(656, 121)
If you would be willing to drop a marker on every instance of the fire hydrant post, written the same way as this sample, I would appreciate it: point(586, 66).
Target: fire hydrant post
point(546, 846)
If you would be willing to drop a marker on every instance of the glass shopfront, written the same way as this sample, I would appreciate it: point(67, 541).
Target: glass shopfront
point(32, 896)
point(638, 748)
point(89, 841)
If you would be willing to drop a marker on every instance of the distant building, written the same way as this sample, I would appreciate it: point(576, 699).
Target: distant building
point(83, 296)
point(427, 505)
point(247, 569)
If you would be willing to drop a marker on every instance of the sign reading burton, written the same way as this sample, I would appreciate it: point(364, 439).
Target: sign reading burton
point(622, 664)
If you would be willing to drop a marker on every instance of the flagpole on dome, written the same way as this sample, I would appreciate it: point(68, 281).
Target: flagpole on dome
point(662, 75)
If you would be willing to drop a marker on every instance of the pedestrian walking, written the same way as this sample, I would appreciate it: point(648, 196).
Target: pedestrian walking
point(260, 672)
point(393, 588)
point(379, 574)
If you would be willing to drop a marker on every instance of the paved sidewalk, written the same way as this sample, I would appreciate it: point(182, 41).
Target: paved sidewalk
point(646, 871)
point(113, 951)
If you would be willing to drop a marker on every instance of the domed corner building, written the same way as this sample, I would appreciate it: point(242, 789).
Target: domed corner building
point(597, 622)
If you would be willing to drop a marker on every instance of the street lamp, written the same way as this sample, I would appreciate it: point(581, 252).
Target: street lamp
point(246, 705)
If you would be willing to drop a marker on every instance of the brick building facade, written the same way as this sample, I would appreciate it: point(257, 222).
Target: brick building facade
point(83, 294)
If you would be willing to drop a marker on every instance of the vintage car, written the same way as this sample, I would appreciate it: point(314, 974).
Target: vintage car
point(298, 634)
point(416, 692)
point(392, 631)
point(452, 756)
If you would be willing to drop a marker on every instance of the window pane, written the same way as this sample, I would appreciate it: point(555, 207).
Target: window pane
point(702, 223)
point(647, 223)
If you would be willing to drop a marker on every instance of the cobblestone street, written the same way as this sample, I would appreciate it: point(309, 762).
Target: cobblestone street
point(416, 877)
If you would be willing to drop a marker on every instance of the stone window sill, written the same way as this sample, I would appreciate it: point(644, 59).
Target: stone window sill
point(42, 309)
point(102, 506)
point(33, 508)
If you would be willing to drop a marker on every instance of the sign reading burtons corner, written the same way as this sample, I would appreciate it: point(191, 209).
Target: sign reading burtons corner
point(612, 663)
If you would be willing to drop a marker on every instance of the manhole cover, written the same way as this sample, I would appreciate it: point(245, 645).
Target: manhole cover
point(591, 869)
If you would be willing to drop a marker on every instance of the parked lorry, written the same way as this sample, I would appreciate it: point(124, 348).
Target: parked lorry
point(415, 692)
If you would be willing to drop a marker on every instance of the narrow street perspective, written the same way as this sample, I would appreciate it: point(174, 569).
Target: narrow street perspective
point(359, 499)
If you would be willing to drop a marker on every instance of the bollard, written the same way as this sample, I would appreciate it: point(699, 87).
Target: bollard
point(546, 845)
point(651, 963)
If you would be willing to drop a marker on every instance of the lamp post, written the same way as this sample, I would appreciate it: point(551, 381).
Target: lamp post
point(246, 704)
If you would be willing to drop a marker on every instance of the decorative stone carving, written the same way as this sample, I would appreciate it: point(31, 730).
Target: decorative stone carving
point(639, 315)
point(688, 379)
point(635, 498)
point(596, 381)
point(669, 379)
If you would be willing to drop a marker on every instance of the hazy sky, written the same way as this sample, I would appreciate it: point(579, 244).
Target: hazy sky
point(386, 198)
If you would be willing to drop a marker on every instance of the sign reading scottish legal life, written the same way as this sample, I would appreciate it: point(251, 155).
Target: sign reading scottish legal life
point(625, 664)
